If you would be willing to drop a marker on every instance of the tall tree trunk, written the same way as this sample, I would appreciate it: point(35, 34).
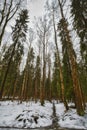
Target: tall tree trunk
point(60, 68)
point(23, 88)
point(76, 83)
point(44, 72)
point(49, 76)
point(36, 90)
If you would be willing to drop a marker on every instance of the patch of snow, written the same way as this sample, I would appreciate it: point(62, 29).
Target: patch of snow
point(70, 119)
point(25, 115)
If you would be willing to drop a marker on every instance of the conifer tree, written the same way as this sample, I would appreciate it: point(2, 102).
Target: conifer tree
point(56, 86)
point(60, 66)
point(79, 13)
point(73, 63)
point(14, 69)
point(66, 63)
point(19, 37)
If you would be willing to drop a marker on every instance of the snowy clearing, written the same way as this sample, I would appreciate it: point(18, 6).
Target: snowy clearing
point(33, 115)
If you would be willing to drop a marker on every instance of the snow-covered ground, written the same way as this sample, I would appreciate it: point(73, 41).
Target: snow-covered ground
point(70, 119)
point(33, 115)
point(25, 115)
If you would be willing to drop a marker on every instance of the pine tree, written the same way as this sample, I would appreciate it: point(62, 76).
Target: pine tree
point(60, 66)
point(74, 71)
point(79, 13)
point(14, 69)
point(19, 37)
point(66, 63)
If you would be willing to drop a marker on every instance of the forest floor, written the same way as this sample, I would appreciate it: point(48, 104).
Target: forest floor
point(33, 115)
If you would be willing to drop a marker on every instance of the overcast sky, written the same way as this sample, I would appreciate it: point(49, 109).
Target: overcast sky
point(36, 8)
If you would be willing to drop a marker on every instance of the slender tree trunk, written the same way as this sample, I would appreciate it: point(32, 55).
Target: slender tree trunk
point(49, 76)
point(23, 88)
point(60, 68)
point(36, 90)
point(44, 72)
point(14, 88)
point(28, 87)
point(43, 86)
